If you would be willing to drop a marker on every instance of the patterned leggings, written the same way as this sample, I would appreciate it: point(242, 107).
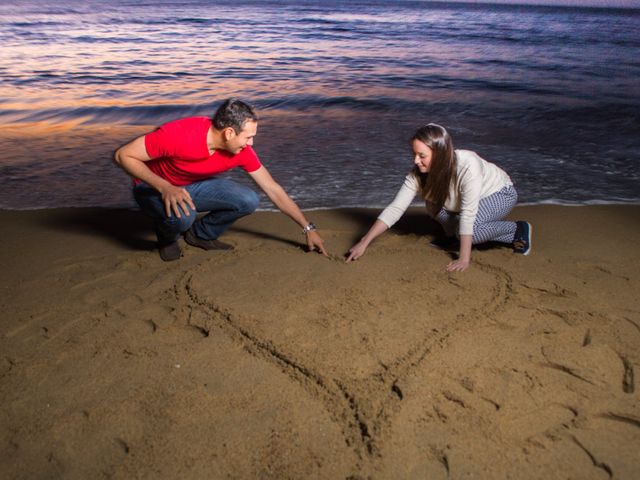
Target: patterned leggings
point(489, 224)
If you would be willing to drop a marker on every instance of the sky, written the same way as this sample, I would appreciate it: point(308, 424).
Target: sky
point(575, 3)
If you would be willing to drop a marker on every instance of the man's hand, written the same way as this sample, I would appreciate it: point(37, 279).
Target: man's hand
point(356, 251)
point(315, 242)
point(176, 198)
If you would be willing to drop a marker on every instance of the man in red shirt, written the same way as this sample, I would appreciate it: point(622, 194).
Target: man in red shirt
point(174, 170)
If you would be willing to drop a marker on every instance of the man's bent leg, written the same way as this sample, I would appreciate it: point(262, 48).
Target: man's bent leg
point(168, 229)
point(226, 201)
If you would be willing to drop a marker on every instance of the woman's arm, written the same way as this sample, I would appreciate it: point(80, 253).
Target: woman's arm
point(464, 257)
point(377, 229)
point(388, 217)
point(469, 187)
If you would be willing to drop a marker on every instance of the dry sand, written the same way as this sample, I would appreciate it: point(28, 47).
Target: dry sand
point(270, 362)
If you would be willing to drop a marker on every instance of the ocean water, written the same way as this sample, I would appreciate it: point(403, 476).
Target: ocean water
point(550, 94)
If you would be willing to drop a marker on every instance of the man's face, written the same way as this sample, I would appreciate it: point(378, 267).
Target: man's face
point(236, 142)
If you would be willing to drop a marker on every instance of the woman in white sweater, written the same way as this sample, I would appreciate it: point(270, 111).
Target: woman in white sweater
point(467, 195)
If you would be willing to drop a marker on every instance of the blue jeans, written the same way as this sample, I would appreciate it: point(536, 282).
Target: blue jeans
point(225, 200)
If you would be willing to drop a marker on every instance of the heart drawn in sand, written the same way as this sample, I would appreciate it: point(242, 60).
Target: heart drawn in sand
point(349, 343)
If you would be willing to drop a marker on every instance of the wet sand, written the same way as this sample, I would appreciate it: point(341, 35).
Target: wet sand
point(271, 362)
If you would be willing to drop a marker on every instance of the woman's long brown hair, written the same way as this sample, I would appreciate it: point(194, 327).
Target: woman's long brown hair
point(435, 184)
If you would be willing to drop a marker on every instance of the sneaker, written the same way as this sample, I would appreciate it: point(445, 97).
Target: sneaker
point(444, 242)
point(195, 241)
point(170, 252)
point(522, 239)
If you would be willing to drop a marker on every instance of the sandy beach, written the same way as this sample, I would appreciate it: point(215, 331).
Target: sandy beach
point(273, 363)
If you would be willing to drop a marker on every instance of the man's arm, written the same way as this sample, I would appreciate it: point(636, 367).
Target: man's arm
point(132, 157)
point(283, 201)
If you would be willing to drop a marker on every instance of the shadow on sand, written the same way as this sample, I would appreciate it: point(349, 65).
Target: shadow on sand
point(130, 228)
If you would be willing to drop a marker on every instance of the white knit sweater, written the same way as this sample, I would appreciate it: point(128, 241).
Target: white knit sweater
point(476, 179)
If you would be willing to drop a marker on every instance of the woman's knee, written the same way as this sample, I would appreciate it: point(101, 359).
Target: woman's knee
point(476, 239)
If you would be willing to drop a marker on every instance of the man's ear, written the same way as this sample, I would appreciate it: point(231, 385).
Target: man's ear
point(229, 133)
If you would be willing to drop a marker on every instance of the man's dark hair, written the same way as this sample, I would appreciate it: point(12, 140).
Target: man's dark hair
point(233, 113)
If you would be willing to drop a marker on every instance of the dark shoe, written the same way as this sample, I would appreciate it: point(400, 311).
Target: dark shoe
point(196, 241)
point(522, 239)
point(444, 242)
point(170, 252)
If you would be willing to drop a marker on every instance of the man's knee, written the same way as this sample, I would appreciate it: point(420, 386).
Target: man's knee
point(182, 223)
point(248, 201)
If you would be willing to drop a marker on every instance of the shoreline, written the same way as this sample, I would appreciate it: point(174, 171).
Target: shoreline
point(559, 203)
point(271, 362)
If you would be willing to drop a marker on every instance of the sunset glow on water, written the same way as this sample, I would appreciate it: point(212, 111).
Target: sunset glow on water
point(550, 94)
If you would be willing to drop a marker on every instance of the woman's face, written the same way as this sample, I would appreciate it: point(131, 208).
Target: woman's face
point(422, 156)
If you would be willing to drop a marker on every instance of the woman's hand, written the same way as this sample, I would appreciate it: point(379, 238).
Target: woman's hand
point(357, 250)
point(464, 257)
point(458, 266)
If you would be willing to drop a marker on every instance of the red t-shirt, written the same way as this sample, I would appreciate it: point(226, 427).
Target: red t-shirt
point(180, 153)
